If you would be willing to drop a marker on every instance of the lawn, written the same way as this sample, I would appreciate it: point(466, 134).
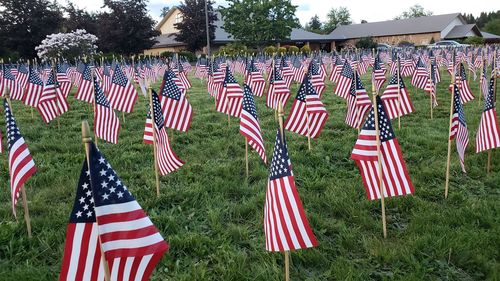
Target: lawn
point(212, 216)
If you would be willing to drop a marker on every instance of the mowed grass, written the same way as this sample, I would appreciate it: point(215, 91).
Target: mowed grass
point(212, 216)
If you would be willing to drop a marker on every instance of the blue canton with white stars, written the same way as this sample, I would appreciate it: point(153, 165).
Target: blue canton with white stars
point(100, 98)
point(83, 208)
point(119, 78)
point(170, 89)
point(158, 112)
point(384, 124)
point(51, 80)
point(347, 70)
point(23, 69)
point(306, 88)
point(376, 64)
point(34, 78)
point(276, 75)
point(463, 75)
point(420, 63)
point(248, 102)
point(314, 69)
point(106, 185)
point(489, 102)
point(86, 73)
point(229, 79)
point(7, 74)
point(13, 133)
point(356, 85)
point(280, 165)
point(457, 106)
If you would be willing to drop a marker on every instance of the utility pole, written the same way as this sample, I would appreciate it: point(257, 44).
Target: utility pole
point(207, 27)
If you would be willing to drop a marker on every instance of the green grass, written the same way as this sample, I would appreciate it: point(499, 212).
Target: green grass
point(212, 217)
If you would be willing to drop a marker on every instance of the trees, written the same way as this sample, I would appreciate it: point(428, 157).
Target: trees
point(337, 16)
point(192, 28)
point(314, 25)
point(414, 12)
point(493, 26)
point(259, 22)
point(24, 23)
point(67, 45)
point(164, 11)
point(79, 19)
point(127, 28)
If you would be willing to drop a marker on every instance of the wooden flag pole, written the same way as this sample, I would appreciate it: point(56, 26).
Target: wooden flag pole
point(356, 94)
point(448, 159)
point(23, 188)
point(56, 85)
point(31, 108)
point(430, 83)
point(281, 115)
point(246, 156)
point(157, 175)
point(87, 139)
point(308, 124)
point(93, 95)
point(379, 159)
point(399, 94)
point(494, 73)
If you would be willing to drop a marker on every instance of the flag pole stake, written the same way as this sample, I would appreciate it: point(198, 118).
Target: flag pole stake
point(93, 95)
point(87, 139)
point(399, 96)
point(448, 159)
point(246, 157)
point(23, 188)
point(153, 121)
point(430, 94)
point(281, 115)
point(379, 160)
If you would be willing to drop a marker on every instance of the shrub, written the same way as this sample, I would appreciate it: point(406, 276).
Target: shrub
point(191, 57)
point(233, 49)
point(270, 50)
point(67, 45)
point(305, 49)
point(281, 50)
point(432, 41)
point(293, 49)
point(366, 43)
point(167, 54)
point(474, 40)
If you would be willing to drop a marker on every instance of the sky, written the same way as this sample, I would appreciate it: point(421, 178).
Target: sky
point(369, 10)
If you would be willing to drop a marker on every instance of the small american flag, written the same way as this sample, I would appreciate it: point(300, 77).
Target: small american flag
point(85, 88)
point(106, 123)
point(34, 88)
point(285, 223)
point(229, 101)
point(131, 244)
point(287, 72)
point(336, 69)
point(177, 111)
point(22, 76)
point(82, 250)
point(52, 103)
point(254, 79)
point(484, 82)
point(278, 91)
point(122, 94)
point(395, 178)
point(9, 82)
point(21, 164)
point(358, 103)
point(488, 133)
point(391, 100)
point(168, 161)
point(63, 79)
point(463, 86)
point(378, 74)
point(344, 81)
point(420, 75)
point(317, 80)
point(430, 86)
point(308, 114)
point(458, 128)
point(249, 124)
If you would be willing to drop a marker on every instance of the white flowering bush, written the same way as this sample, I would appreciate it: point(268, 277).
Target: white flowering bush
point(67, 45)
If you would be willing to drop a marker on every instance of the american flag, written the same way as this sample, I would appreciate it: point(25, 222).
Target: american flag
point(52, 102)
point(215, 80)
point(21, 164)
point(177, 111)
point(285, 222)
point(394, 104)
point(249, 124)
point(458, 128)
point(106, 79)
point(122, 94)
point(344, 81)
point(287, 72)
point(179, 71)
point(488, 133)
point(278, 91)
point(336, 70)
point(308, 114)
point(254, 79)
point(463, 86)
point(484, 82)
point(34, 89)
point(431, 85)
point(82, 250)
point(131, 244)
point(407, 66)
point(22, 76)
point(316, 78)
point(63, 80)
point(106, 123)
point(358, 103)
point(420, 75)
point(378, 74)
point(9, 82)
point(85, 87)
point(229, 101)
point(168, 161)
point(395, 178)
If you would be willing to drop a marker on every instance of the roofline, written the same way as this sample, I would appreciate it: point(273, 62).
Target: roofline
point(167, 15)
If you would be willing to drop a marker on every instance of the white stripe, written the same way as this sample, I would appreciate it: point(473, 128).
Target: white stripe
point(117, 208)
point(142, 267)
point(132, 243)
point(75, 251)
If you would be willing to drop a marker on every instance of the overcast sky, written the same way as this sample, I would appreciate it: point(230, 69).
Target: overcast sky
point(370, 10)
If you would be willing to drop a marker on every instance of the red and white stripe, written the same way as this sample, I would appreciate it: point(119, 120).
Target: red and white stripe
point(250, 129)
point(488, 133)
point(230, 99)
point(396, 105)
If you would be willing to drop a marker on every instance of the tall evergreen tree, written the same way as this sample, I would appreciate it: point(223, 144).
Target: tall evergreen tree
point(25, 23)
point(79, 19)
point(314, 24)
point(127, 28)
point(192, 28)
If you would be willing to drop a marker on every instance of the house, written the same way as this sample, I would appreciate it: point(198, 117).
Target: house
point(166, 41)
point(419, 31)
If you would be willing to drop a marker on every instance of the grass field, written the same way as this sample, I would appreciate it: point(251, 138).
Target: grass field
point(212, 217)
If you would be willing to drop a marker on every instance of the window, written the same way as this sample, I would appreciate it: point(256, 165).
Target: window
point(178, 18)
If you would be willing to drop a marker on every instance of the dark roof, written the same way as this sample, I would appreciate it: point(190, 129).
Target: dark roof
point(394, 27)
point(221, 36)
point(460, 31)
point(167, 40)
point(487, 35)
